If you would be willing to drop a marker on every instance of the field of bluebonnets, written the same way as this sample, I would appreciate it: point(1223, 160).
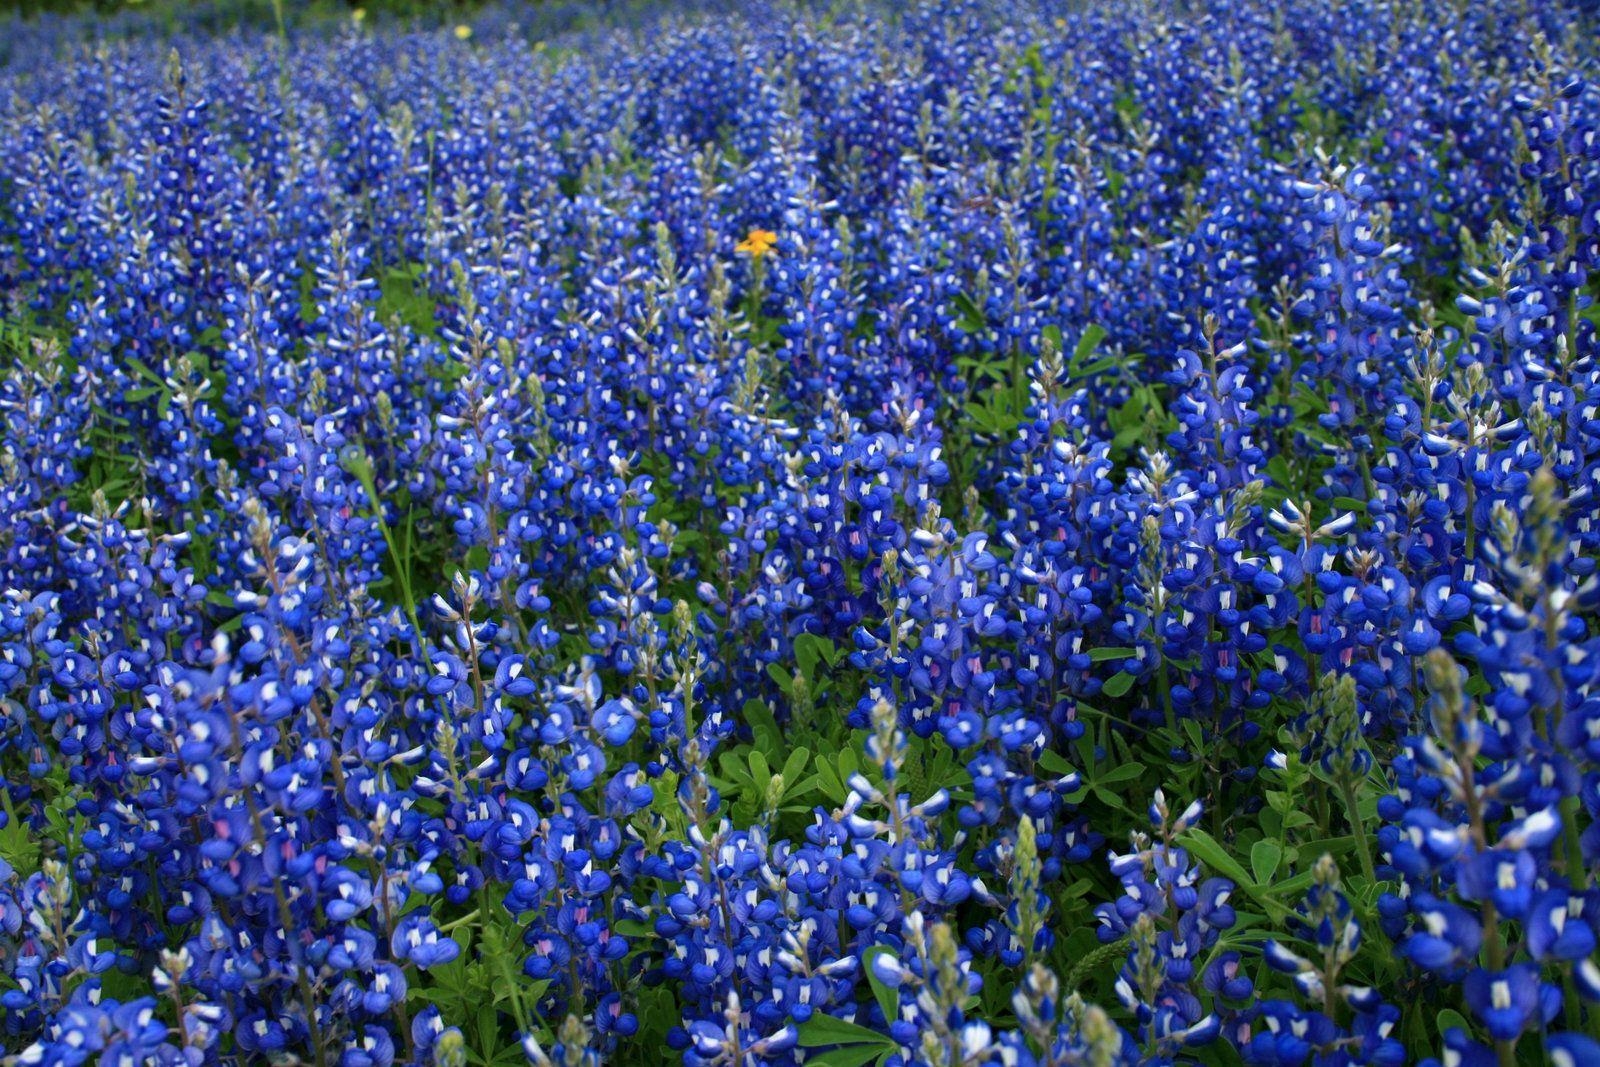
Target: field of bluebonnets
point(981, 534)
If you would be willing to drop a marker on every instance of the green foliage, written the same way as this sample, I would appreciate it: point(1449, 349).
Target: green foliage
point(483, 988)
point(845, 1044)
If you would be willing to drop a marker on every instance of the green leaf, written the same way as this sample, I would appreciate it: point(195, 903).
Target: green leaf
point(488, 1029)
point(794, 767)
point(1110, 798)
point(1335, 846)
point(1264, 859)
point(1310, 399)
point(888, 1000)
point(810, 649)
point(849, 1055)
point(1211, 852)
point(1293, 887)
point(784, 679)
point(1093, 334)
point(1117, 684)
point(972, 319)
point(1099, 366)
point(1100, 655)
point(18, 847)
point(148, 374)
point(832, 785)
point(806, 654)
point(736, 771)
point(1055, 762)
point(799, 791)
point(823, 1030)
point(763, 726)
point(1126, 437)
point(1125, 772)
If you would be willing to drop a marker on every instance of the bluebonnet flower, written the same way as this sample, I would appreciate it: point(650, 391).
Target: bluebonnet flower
point(442, 481)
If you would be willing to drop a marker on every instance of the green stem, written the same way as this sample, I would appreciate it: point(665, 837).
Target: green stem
point(361, 467)
point(1357, 830)
point(283, 63)
point(467, 918)
point(1164, 688)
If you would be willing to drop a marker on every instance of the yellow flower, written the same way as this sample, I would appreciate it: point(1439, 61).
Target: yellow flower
point(757, 243)
point(359, 14)
point(463, 32)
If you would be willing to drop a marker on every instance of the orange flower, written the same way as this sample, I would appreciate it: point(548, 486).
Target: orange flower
point(757, 243)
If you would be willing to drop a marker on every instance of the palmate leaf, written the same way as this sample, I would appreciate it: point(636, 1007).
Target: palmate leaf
point(1220, 860)
point(18, 846)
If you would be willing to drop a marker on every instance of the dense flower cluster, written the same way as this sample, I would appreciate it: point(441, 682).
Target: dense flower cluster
point(986, 533)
